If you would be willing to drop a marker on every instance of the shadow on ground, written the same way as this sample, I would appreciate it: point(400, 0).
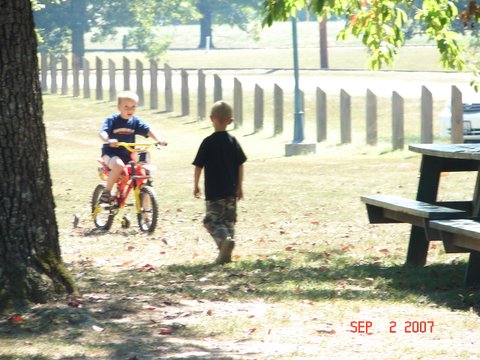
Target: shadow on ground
point(118, 301)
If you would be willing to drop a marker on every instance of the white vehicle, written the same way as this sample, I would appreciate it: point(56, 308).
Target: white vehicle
point(471, 122)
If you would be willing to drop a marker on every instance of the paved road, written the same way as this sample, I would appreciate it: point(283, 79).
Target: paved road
point(407, 84)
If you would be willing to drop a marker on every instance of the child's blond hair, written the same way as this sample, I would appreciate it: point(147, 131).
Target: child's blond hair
point(222, 111)
point(127, 94)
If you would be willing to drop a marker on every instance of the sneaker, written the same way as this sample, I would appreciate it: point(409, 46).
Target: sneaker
point(105, 198)
point(225, 254)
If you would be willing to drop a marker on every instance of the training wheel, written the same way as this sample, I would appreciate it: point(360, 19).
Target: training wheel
point(126, 222)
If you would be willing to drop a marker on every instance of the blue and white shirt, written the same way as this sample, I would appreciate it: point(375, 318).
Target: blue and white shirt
point(122, 130)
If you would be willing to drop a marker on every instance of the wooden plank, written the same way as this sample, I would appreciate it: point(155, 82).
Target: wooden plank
point(168, 88)
point(456, 134)
point(185, 98)
point(371, 118)
point(140, 90)
point(112, 90)
point(427, 116)
point(345, 117)
point(153, 84)
point(237, 103)
point(258, 113)
point(278, 105)
point(465, 227)
point(413, 207)
point(398, 121)
point(201, 96)
point(98, 78)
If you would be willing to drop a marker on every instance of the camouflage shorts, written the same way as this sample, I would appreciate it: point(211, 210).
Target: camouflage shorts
point(220, 218)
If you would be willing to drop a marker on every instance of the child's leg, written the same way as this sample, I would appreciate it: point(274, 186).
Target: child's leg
point(219, 221)
point(230, 216)
point(214, 220)
point(115, 164)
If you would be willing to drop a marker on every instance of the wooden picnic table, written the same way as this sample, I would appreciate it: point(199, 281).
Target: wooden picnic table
point(438, 158)
point(455, 222)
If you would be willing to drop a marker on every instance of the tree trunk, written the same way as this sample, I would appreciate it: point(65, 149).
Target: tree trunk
point(323, 43)
point(31, 268)
point(206, 37)
point(79, 27)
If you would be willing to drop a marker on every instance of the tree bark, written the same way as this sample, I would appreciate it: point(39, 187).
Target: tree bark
point(31, 268)
point(79, 27)
point(205, 25)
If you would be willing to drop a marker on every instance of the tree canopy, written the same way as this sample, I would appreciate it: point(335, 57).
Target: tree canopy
point(381, 24)
point(64, 22)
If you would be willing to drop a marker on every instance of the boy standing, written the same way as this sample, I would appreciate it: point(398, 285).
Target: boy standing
point(222, 157)
point(121, 127)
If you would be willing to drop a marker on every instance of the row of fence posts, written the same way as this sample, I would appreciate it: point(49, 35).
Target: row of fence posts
point(50, 64)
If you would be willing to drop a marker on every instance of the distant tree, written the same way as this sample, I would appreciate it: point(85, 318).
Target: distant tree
point(61, 24)
point(150, 15)
point(64, 23)
point(31, 267)
point(235, 13)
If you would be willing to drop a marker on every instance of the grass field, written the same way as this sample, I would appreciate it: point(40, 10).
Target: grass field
point(306, 265)
point(272, 49)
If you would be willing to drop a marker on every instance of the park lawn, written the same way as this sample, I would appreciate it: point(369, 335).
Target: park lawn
point(306, 265)
point(265, 48)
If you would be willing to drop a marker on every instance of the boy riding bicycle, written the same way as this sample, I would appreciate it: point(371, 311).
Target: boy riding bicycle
point(121, 127)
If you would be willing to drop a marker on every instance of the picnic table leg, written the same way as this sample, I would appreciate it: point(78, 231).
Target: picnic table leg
point(430, 170)
point(476, 197)
point(472, 274)
point(417, 247)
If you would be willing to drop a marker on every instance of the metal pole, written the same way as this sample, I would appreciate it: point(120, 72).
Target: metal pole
point(298, 133)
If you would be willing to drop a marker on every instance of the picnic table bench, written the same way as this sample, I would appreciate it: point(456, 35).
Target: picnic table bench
point(393, 208)
point(462, 236)
point(452, 222)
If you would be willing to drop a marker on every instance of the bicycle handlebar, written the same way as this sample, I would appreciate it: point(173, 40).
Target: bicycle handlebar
point(129, 146)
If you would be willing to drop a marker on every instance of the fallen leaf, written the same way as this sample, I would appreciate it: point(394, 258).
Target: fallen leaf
point(250, 331)
point(15, 319)
point(326, 331)
point(146, 267)
point(166, 331)
point(127, 263)
point(74, 302)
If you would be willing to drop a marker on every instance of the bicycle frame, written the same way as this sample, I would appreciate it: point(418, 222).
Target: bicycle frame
point(134, 175)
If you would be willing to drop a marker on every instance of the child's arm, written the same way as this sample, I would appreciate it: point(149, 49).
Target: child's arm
point(105, 138)
point(196, 179)
point(156, 138)
point(240, 183)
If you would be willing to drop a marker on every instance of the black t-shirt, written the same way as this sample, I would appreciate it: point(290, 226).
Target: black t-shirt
point(220, 155)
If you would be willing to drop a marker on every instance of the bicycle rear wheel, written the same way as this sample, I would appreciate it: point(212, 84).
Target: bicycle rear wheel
point(101, 213)
point(147, 218)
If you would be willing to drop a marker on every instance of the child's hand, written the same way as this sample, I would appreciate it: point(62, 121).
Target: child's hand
point(113, 143)
point(196, 192)
point(239, 193)
point(162, 142)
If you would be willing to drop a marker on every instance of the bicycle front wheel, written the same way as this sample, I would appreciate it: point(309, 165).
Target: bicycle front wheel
point(101, 213)
point(148, 215)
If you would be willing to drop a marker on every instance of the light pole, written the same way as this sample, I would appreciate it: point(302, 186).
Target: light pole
point(298, 133)
point(298, 146)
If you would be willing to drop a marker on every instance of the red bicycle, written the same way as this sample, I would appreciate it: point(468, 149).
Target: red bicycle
point(136, 176)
